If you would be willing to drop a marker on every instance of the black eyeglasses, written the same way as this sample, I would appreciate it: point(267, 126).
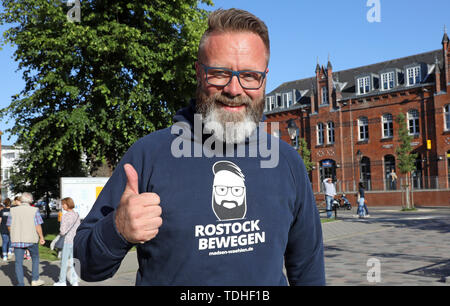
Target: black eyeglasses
point(248, 79)
point(221, 190)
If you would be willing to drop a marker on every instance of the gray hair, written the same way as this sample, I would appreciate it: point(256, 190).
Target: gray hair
point(235, 20)
point(26, 198)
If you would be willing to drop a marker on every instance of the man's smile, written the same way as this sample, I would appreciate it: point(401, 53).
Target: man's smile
point(232, 107)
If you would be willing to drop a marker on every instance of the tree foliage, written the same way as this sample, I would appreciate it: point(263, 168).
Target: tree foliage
point(305, 153)
point(92, 88)
point(406, 159)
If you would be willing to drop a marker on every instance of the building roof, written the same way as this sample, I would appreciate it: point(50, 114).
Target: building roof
point(344, 80)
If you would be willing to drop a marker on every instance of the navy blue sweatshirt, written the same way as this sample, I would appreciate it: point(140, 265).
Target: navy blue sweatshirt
point(226, 220)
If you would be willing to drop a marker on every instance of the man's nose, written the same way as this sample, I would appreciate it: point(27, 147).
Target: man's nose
point(233, 88)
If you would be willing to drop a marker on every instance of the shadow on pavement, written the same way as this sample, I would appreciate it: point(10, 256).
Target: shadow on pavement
point(46, 269)
point(9, 271)
point(438, 270)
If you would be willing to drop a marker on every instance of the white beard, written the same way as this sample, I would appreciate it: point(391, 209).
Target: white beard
point(228, 132)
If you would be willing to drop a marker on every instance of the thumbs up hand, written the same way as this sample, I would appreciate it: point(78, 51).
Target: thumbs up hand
point(138, 216)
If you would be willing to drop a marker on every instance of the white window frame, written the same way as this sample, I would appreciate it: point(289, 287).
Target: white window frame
point(6, 174)
point(276, 101)
point(271, 103)
point(287, 98)
point(364, 83)
point(388, 126)
point(414, 73)
point(413, 122)
point(320, 133)
point(324, 95)
point(363, 128)
point(387, 79)
point(330, 132)
point(447, 118)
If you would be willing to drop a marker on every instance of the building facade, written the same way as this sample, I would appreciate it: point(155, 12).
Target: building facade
point(9, 155)
point(348, 119)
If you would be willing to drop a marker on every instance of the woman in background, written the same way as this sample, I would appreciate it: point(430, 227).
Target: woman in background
point(69, 224)
point(6, 241)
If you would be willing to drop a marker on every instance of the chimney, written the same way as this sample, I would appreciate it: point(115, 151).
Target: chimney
point(446, 55)
point(317, 93)
point(330, 83)
point(437, 75)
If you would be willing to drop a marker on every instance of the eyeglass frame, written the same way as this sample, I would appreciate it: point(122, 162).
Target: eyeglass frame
point(234, 73)
point(228, 190)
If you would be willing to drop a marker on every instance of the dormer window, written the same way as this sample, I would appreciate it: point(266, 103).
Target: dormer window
point(287, 97)
point(270, 103)
point(413, 75)
point(279, 102)
point(364, 85)
point(387, 80)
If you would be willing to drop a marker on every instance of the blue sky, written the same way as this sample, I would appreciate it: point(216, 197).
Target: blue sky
point(302, 30)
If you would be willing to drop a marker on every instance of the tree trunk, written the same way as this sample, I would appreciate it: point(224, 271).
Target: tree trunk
point(407, 199)
point(47, 206)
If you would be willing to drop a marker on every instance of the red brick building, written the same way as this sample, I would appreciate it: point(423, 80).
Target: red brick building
point(348, 119)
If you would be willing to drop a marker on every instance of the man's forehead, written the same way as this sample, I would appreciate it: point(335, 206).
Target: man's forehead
point(242, 44)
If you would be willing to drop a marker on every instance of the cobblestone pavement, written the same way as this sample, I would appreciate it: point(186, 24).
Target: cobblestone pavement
point(409, 248)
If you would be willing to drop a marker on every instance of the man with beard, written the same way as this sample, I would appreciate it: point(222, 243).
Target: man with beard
point(161, 203)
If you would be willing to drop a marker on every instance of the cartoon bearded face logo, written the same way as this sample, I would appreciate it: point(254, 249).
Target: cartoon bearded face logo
point(228, 196)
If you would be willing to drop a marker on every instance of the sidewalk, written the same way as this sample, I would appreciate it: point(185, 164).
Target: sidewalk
point(411, 247)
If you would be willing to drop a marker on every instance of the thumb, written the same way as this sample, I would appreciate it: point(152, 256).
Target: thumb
point(132, 179)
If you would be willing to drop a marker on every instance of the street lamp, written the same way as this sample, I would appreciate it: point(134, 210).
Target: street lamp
point(293, 132)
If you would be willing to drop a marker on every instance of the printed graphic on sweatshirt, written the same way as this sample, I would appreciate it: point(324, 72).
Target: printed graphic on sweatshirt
point(229, 203)
point(228, 195)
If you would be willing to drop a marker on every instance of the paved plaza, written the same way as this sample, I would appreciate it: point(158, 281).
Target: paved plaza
point(389, 248)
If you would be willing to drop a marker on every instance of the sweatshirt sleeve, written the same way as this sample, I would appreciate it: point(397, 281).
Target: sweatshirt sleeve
point(98, 246)
point(304, 258)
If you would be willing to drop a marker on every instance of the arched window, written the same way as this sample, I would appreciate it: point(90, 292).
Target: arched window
point(320, 133)
point(413, 122)
point(389, 171)
point(327, 168)
point(330, 132)
point(388, 127)
point(416, 175)
point(363, 125)
point(365, 175)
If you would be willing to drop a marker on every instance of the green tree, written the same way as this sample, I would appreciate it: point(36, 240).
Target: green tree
point(305, 153)
point(93, 87)
point(406, 159)
point(41, 179)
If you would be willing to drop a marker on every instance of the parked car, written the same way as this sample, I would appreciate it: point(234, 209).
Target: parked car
point(53, 205)
point(41, 205)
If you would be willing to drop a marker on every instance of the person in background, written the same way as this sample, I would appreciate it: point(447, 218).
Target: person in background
point(24, 224)
point(69, 224)
point(15, 202)
point(393, 178)
point(330, 193)
point(361, 209)
point(6, 242)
